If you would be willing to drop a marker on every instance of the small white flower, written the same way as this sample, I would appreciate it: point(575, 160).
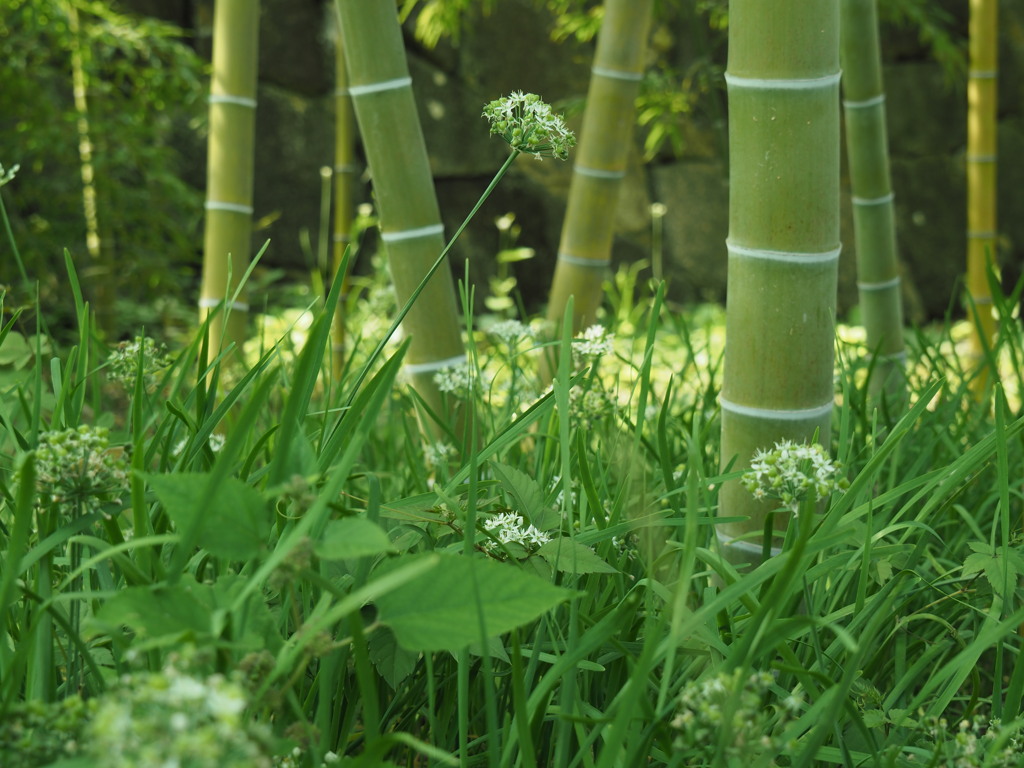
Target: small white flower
point(6, 176)
point(529, 126)
point(76, 466)
point(509, 528)
point(510, 331)
point(791, 472)
point(437, 454)
point(456, 379)
point(184, 690)
point(594, 342)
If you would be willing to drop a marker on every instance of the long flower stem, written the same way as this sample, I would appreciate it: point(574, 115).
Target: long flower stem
point(430, 272)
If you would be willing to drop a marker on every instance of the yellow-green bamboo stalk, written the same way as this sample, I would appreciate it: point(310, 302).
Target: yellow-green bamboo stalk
point(584, 253)
point(227, 243)
point(98, 275)
point(783, 244)
point(345, 170)
point(867, 146)
point(981, 168)
point(410, 219)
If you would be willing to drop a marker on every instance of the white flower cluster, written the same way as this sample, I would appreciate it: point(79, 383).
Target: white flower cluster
point(509, 528)
point(455, 379)
point(588, 405)
point(974, 743)
point(703, 711)
point(77, 467)
point(510, 331)
point(123, 362)
point(174, 720)
point(7, 176)
point(215, 441)
point(556, 484)
point(438, 454)
point(791, 471)
point(527, 123)
point(593, 343)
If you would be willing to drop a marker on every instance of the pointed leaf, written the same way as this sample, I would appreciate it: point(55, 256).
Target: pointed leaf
point(236, 522)
point(569, 556)
point(440, 610)
point(391, 661)
point(1000, 565)
point(352, 537)
point(154, 611)
point(527, 494)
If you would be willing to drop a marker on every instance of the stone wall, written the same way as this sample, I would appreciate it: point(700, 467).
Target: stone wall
point(511, 49)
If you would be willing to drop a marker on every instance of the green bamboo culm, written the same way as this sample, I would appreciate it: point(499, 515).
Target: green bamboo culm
point(410, 219)
point(100, 286)
point(867, 147)
point(584, 253)
point(982, 126)
point(345, 172)
point(227, 242)
point(783, 245)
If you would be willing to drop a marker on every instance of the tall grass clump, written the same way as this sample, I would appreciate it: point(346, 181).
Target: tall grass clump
point(275, 569)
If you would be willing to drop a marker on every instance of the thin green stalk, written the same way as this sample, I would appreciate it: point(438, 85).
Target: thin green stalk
point(11, 241)
point(429, 273)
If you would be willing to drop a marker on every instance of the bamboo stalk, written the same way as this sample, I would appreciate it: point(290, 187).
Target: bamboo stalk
point(981, 171)
point(227, 242)
point(584, 253)
point(783, 244)
point(99, 273)
point(867, 145)
point(410, 219)
point(345, 170)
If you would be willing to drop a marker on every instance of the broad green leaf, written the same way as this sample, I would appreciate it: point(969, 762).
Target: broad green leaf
point(352, 537)
point(439, 610)
point(883, 570)
point(236, 523)
point(1000, 565)
point(391, 661)
point(154, 611)
point(258, 628)
point(528, 496)
point(569, 556)
point(874, 718)
point(18, 350)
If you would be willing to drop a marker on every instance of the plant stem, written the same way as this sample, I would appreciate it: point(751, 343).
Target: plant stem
point(429, 273)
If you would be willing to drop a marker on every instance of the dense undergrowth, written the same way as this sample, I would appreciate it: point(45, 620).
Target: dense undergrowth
point(204, 566)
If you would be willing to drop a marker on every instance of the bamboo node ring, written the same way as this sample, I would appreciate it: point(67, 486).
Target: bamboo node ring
point(583, 261)
point(412, 234)
point(383, 85)
point(413, 369)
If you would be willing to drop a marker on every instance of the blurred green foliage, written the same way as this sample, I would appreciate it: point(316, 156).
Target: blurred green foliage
point(684, 81)
point(144, 89)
